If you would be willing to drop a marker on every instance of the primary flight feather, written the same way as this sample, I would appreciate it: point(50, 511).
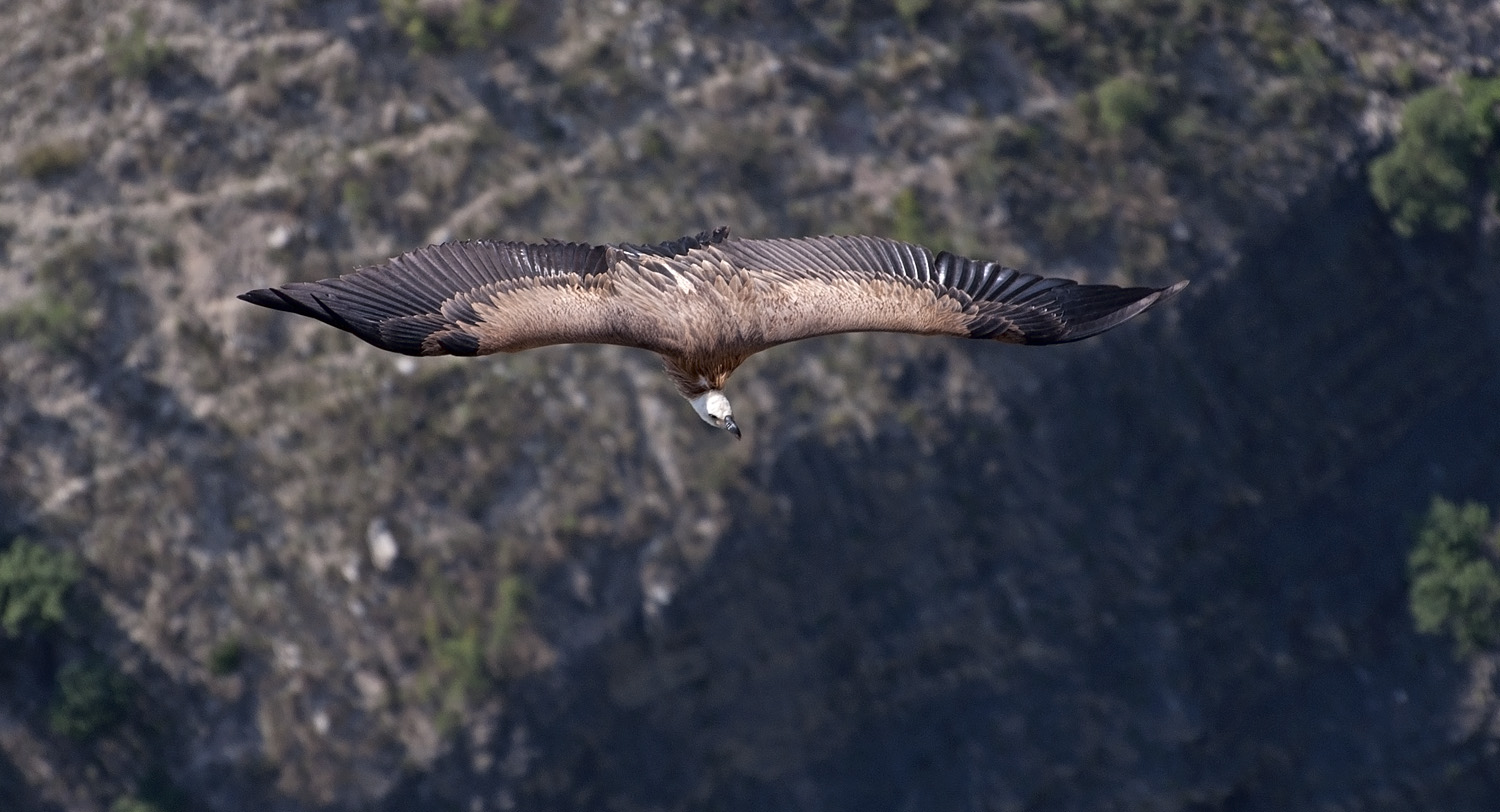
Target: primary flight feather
point(703, 303)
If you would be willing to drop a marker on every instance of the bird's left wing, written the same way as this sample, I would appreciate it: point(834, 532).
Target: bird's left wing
point(472, 298)
point(811, 286)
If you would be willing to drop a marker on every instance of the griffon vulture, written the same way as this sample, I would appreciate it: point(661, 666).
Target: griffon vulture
point(703, 303)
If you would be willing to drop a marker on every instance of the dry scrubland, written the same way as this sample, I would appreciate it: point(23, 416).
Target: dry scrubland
point(272, 568)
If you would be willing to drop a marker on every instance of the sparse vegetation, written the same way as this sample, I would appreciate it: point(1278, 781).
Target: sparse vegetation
point(34, 583)
point(154, 793)
point(1273, 31)
point(458, 659)
point(1124, 102)
point(135, 54)
point(469, 656)
point(131, 803)
point(1444, 157)
point(468, 24)
point(909, 223)
point(723, 9)
point(51, 322)
point(164, 253)
point(226, 657)
point(1455, 586)
point(909, 10)
point(92, 697)
point(66, 311)
point(52, 160)
point(356, 201)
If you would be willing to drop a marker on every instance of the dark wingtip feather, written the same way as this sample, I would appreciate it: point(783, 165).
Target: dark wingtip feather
point(1170, 291)
point(295, 298)
point(274, 299)
point(1156, 297)
point(1065, 312)
point(1116, 306)
point(394, 331)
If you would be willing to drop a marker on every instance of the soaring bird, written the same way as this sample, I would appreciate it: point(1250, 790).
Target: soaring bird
point(703, 303)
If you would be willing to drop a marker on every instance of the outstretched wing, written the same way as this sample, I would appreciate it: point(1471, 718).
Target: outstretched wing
point(477, 297)
point(814, 286)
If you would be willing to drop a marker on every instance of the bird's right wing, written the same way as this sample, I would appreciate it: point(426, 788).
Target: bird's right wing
point(813, 286)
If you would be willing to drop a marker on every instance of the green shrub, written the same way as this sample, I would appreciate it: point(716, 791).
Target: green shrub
point(164, 253)
point(508, 615)
point(1430, 179)
point(156, 792)
point(134, 54)
point(33, 584)
point(910, 10)
point(472, 24)
point(722, 9)
point(1455, 587)
point(1311, 61)
point(470, 655)
point(357, 201)
point(226, 657)
point(1124, 102)
point(909, 221)
point(51, 322)
point(67, 312)
point(52, 160)
point(1273, 32)
point(92, 698)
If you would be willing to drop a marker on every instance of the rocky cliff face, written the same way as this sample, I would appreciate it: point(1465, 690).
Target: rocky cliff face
point(1160, 569)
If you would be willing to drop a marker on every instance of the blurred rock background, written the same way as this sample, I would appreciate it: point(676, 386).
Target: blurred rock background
point(249, 563)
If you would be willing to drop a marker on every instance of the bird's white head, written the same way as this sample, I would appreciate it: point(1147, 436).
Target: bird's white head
point(714, 408)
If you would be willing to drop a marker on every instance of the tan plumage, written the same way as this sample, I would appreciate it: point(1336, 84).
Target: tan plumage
point(704, 303)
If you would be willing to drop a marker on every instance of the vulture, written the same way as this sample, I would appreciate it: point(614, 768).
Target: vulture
point(703, 303)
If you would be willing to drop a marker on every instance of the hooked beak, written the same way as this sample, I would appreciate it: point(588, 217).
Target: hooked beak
point(730, 427)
